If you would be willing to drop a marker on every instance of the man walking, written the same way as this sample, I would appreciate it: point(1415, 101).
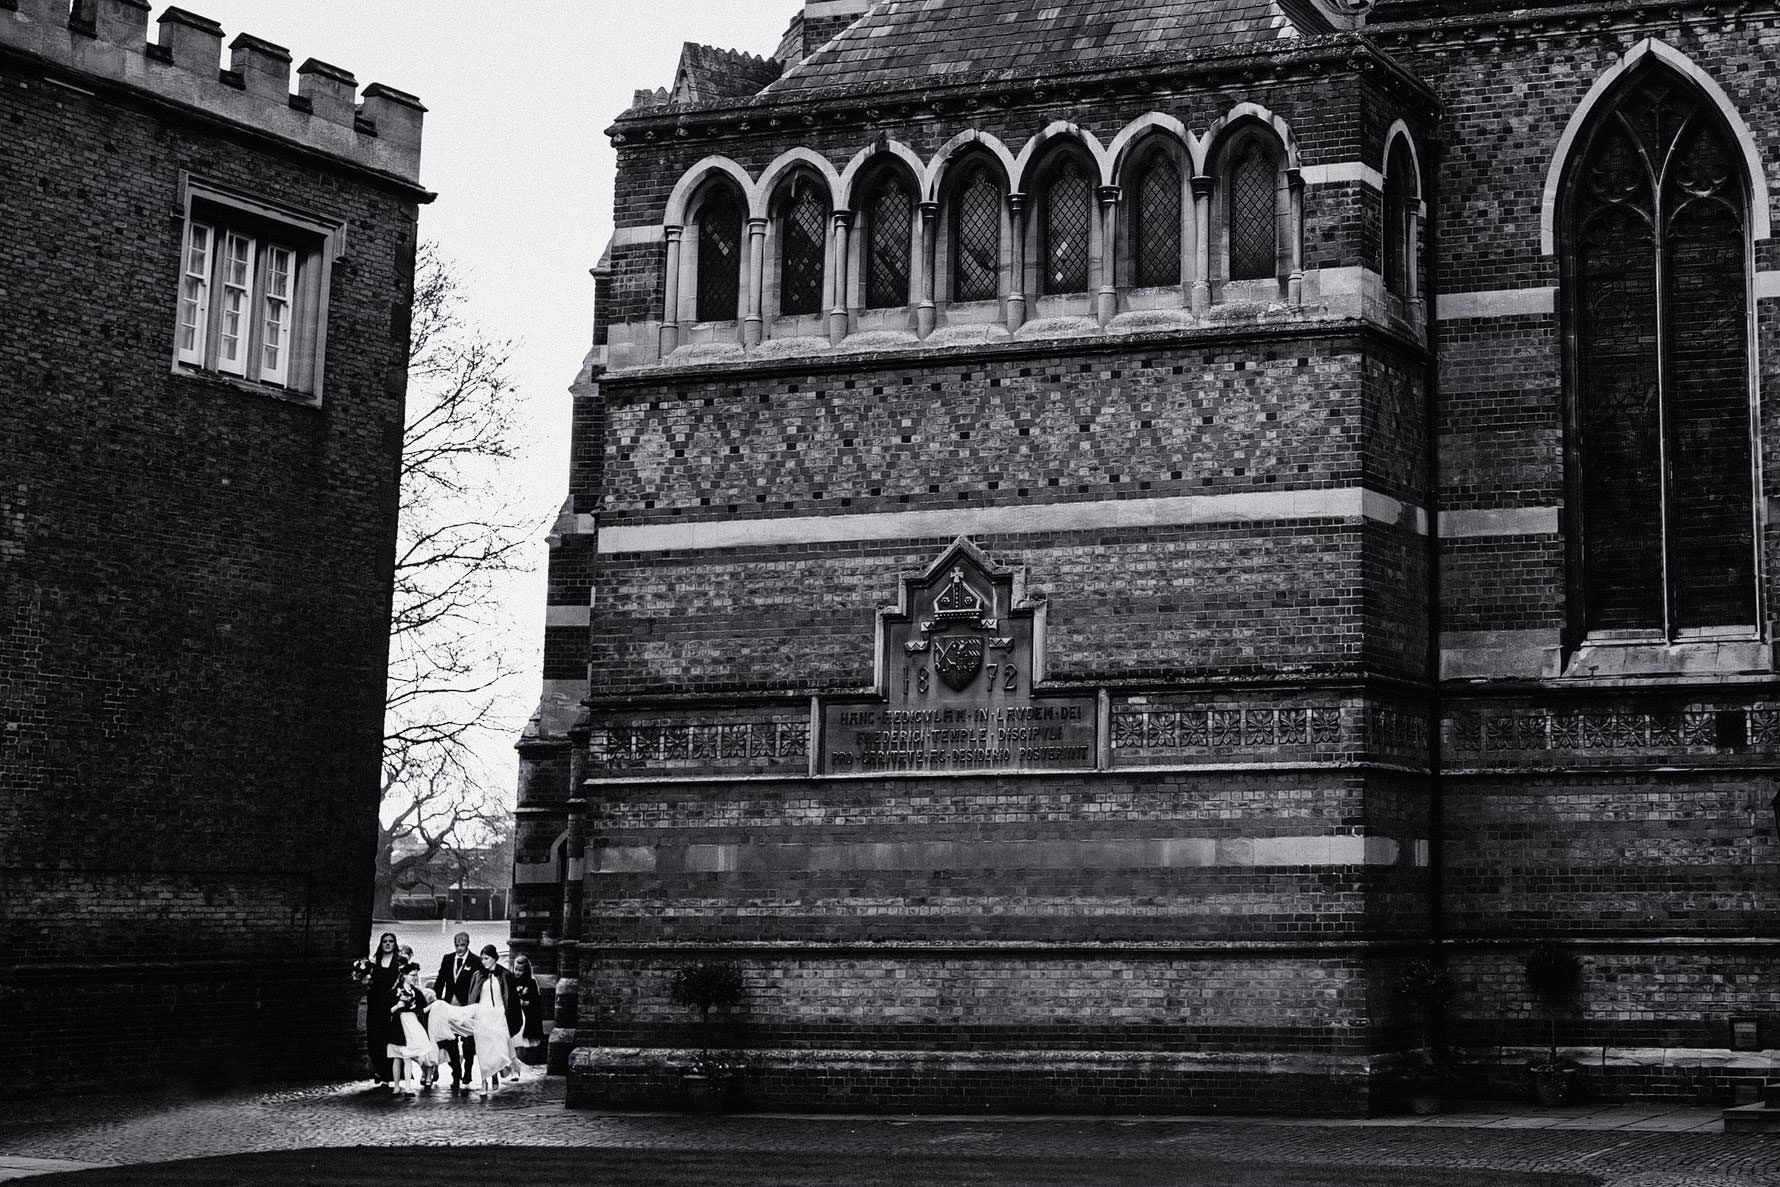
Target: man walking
point(453, 985)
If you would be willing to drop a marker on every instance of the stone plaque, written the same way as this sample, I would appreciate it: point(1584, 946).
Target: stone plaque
point(957, 663)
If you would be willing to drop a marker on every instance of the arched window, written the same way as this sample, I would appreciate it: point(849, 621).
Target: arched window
point(719, 256)
point(1656, 273)
point(976, 236)
point(1400, 203)
point(803, 224)
point(1252, 209)
point(1156, 222)
point(1066, 212)
point(889, 224)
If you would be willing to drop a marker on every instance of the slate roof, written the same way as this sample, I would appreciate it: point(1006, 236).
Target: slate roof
point(911, 44)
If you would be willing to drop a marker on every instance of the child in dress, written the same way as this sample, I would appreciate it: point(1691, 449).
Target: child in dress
point(415, 1055)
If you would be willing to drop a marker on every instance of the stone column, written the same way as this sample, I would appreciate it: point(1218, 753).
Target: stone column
point(838, 278)
point(1106, 304)
point(1202, 191)
point(568, 949)
point(1295, 192)
point(1016, 281)
point(754, 277)
point(925, 313)
point(670, 301)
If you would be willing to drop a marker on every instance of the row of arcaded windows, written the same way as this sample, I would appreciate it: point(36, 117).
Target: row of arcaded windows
point(979, 242)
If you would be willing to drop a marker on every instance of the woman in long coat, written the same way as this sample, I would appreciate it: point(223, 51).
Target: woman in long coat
point(380, 996)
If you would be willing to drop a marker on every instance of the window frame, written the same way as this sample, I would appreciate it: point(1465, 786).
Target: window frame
point(960, 178)
point(866, 230)
point(1136, 222)
point(311, 243)
point(695, 294)
point(1235, 144)
point(801, 184)
point(1042, 231)
point(1657, 644)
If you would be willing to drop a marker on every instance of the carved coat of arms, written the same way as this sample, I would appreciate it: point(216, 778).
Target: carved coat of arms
point(958, 660)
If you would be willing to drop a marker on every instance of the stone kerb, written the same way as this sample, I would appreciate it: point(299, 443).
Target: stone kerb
point(106, 40)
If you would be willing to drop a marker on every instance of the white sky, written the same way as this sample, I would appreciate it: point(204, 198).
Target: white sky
point(518, 96)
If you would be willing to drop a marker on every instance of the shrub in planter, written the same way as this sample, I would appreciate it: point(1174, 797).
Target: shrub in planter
point(1554, 976)
point(1424, 986)
point(707, 986)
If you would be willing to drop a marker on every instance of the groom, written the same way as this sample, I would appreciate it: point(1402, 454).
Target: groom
point(453, 984)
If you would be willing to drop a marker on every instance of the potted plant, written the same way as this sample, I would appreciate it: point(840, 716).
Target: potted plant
point(707, 986)
point(1424, 986)
point(1554, 976)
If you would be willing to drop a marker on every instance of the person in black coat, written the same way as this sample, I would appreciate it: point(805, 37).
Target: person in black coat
point(380, 994)
point(531, 1005)
point(456, 985)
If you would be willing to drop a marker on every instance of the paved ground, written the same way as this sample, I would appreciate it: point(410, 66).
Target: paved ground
point(1654, 1146)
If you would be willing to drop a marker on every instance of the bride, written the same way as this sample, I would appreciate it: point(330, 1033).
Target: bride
point(488, 1019)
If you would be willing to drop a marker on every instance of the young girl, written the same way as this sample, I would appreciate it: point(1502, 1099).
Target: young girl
point(415, 1054)
point(526, 993)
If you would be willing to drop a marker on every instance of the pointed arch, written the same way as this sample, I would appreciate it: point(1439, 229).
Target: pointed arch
point(675, 213)
point(873, 156)
point(964, 142)
point(1404, 209)
point(1139, 131)
point(784, 164)
point(1231, 123)
point(1021, 175)
point(1651, 49)
point(1652, 221)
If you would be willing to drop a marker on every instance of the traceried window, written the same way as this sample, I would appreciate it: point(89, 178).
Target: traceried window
point(1156, 223)
point(976, 237)
point(252, 291)
point(1252, 209)
point(1067, 212)
point(1657, 273)
point(802, 248)
point(889, 223)
point(1400, 202)
point(719, 257)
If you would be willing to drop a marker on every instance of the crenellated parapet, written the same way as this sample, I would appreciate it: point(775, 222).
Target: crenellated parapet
point(107, 41)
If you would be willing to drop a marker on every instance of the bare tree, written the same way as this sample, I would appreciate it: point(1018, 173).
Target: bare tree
point(459, 540)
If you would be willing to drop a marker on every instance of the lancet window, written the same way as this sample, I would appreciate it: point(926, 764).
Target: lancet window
point(1656, 264)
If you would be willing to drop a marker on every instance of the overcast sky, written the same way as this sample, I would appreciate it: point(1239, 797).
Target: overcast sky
point(518, 96)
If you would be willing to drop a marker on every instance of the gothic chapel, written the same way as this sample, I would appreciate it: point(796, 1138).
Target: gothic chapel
point(1100, 533)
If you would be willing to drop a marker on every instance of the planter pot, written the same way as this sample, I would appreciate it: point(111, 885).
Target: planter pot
point(1554, 1088)
point(704, 1094)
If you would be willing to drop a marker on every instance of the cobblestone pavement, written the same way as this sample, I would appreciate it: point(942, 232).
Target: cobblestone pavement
point(1655, 1146)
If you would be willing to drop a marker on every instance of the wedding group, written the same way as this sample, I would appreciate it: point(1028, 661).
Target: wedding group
point(475, 1015)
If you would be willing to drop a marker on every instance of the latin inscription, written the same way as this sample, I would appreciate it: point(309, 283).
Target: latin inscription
point(957, 677)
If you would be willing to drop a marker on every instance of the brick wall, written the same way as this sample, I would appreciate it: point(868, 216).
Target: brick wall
point(193, 605)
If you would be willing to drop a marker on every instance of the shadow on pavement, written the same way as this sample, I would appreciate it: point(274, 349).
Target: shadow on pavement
point(381, 1167)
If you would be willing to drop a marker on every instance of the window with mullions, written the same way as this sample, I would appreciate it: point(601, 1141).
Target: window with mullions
point(253, 283)
point(1156, 224)
point(976, 238)
point(1068, 210)
point(1253, 212)
point(719, 257)
point(802, 236)
point(1656, 267)
point(889, 224)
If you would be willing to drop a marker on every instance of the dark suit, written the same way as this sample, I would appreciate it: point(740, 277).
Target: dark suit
point(456, 986)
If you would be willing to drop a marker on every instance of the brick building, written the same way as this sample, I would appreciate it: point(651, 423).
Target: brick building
point(1098, 534)
point(204, 282)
